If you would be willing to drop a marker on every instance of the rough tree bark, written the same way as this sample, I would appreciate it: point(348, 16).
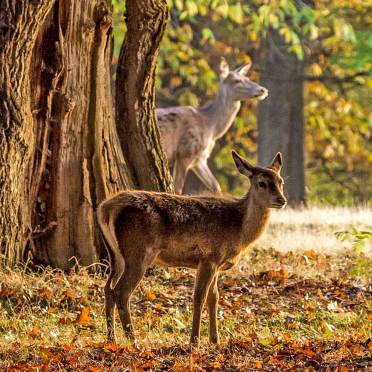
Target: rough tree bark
point(281, 115)
point(60, 153)
point(135, 96)
point(19, 27)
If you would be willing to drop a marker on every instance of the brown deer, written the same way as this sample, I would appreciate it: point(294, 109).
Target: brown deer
point(208, 234)
point(188, 134)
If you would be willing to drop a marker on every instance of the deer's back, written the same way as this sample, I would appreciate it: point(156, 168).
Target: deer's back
point(184, 229)
point(182, 132)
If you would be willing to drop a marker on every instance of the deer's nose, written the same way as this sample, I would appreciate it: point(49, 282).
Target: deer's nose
point(263, 93)
point(281, 200)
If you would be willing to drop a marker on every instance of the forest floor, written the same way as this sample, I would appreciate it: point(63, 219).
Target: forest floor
point(284, 308)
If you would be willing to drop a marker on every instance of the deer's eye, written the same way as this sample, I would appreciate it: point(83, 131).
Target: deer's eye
point(262, 184)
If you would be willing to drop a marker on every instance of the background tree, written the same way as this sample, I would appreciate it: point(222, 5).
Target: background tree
point(280, 118)
point(135, 104)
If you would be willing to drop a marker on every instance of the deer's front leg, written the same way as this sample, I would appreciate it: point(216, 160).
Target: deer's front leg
point(202, 170)
point(212, 300)
point(204, 277)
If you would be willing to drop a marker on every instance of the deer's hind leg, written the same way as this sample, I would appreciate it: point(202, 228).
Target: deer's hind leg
point(115, 272)
point(180, 169)
point(135, 266)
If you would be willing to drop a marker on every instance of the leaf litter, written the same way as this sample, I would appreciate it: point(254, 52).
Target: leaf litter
point(276, 311)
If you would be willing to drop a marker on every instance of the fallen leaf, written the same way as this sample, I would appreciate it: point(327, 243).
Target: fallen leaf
point(67, 347)
point(327, 328)
point(64, 321)
point(151, 296)
point(179, 323)
point(216, 365)
point(68, 294)
point(310, 254)
point(320, 293)
point(84, 318)
point(332, 306)
point(95, 369)
point(112, 347)
point(46, 293)
point(343, 369)
point(148, 364)
point(35, 332)
point(257, 364)
point(6, 292)
point(287, 337)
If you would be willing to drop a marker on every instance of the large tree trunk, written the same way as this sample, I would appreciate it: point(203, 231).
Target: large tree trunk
point(281, 116)
point(135, 96)
point(61, 153)
point(19, 26)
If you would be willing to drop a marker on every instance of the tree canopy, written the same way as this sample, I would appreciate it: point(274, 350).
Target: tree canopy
point(330, 36)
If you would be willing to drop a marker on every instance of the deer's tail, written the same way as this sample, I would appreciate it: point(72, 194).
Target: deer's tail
point(107, 213)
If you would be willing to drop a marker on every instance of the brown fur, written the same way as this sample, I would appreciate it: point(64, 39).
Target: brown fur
point(204, 233)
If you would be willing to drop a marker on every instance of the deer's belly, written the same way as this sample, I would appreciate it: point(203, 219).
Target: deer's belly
point(179, 258)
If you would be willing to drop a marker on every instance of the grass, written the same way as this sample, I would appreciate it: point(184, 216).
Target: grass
point(314, 228)
point(280, 308)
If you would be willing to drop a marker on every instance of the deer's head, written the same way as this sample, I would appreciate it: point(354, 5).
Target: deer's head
point(266, 183)
point(237, 85)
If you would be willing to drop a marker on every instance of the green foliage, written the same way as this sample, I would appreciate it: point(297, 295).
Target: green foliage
point(119, 26)
point(360, 239)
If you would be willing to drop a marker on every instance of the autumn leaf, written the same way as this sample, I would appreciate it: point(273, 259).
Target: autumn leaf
point(343, 369)
point(327, 328)
point(84, 318)
point(35, 332)
point(112, 347)
point(320, 293)
point(46, 293)
point(370, 345)
point(310, 254)
point(287, 337)
point(95, 369)
point(147, 364)
point(179, 323)
point(151, 296)
point(257, 364)
point(68, 294)
point(6, 292)
point(64, 321)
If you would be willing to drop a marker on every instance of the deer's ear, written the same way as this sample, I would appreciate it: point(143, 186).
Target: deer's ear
point(244, 167)
point(277, 162)
point(224, 68)
point(244, 69)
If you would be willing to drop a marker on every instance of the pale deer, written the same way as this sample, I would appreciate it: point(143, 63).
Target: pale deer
point(189, 134)
point(208, 234)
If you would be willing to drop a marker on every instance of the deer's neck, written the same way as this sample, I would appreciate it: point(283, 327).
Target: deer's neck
point(255, 220)
point(220, 114)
